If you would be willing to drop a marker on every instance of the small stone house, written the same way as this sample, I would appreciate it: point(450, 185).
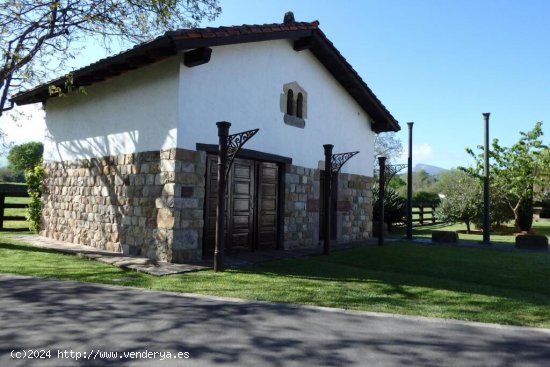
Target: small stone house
point(131, 164)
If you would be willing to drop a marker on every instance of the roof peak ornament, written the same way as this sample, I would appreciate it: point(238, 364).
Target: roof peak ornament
point(289, 17)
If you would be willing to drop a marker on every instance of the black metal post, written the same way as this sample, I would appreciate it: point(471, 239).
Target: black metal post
point(381, 192)
point(326, 198)
point(486, 221)
point(223, 133)
point(409, 183)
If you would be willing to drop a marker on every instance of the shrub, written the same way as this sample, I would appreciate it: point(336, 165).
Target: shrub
point(35, 182)
point(426, 197)
point(394, 206)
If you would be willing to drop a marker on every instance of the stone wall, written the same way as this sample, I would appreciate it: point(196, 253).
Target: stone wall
point(301, 217)
point(355, 207)
point(302, 205)
point(152, 204)
point(148, 204)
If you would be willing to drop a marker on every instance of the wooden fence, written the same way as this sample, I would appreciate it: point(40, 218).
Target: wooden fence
point(11, 190)
point(424, 213)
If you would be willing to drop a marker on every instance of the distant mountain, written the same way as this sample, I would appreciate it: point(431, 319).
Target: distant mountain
point(431, 170)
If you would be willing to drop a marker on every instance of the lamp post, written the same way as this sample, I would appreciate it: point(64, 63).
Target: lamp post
point(381, 190)
point(223, 133)
point(333, 164)
point(228, 147)
point(486, 234)
point(409, 183)
point(326, 198)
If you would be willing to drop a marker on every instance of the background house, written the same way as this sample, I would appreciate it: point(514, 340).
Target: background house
point(131, 164)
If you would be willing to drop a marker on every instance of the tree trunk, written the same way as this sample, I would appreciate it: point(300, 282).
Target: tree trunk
point(525, 215)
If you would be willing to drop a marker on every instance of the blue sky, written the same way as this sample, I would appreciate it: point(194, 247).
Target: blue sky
point(438, 63)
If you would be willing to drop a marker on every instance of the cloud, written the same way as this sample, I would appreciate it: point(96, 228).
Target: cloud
point(423, 152)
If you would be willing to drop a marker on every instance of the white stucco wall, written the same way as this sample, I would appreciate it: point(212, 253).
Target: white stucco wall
point(135, 111)
point(242, 84)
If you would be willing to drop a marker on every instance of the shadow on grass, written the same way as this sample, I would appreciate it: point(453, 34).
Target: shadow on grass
point(517, 297)
point(418, 230)
point(27, 248)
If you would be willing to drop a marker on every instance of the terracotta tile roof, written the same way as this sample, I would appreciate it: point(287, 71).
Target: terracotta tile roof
point(187, 39)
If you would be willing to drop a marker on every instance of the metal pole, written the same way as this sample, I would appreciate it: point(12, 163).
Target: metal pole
point(326, 198)
point(381, 189)
point(223, 133)
point(486, 221)
point(409, 183)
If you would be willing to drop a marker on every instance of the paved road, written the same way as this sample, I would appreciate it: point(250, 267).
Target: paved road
point(59, 316)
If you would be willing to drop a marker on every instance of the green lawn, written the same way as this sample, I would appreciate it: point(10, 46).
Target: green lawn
point(541, 227)
point(461, 283)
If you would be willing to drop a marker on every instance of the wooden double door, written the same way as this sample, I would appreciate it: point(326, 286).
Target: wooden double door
point(251, 206)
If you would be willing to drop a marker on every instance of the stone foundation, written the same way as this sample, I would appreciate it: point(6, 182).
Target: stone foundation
point(354, 207)
point(148, 204)
point(302, 203)
point(152, 204)
point(301, 224)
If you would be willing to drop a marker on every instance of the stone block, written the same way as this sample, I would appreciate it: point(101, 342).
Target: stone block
point(292, 178)
point(168, 189)
point(186, 239)
point(165, 218)
point(532, 242)
point(187, 155)
point(445, 236)
point(168, 166)
point(188, 167)
point(187, 178)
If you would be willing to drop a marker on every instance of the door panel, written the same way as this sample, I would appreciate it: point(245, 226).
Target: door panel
point(251, 206)
point(210, 206)
point(241, 196)
point(268, 174)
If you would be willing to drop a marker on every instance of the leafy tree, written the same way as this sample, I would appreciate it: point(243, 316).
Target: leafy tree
point(426, 196)
point(25, 156)
point(388, 145)
point(423, 181)
point(397, 183)
point(462, 201)
point(516, 172)
point(41, 36)
point(7, 175)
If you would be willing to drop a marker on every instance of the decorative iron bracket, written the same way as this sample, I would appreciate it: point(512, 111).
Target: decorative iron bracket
point(235, 143)
point(338, 160)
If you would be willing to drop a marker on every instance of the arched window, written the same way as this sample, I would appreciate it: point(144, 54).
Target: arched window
point(300, 105)
point(290, 102)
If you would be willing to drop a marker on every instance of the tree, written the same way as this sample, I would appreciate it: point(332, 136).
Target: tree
point(40, 36)
point(462, 198)
point(25, 156)
point(388, 145)
point(516, 172)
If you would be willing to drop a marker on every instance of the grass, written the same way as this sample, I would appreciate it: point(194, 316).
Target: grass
point(460, 283)
point(505, 235)
point(16, 225)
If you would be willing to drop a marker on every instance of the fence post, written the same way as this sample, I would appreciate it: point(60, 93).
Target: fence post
point(2, 201)
point(421, 214)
